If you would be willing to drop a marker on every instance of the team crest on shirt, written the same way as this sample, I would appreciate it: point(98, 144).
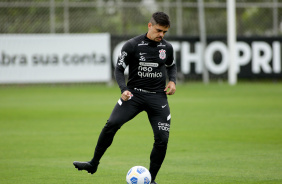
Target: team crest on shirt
point(162, 54)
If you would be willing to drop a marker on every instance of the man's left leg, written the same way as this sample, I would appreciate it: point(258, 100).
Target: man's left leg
point(157, 157)
point(159, 116)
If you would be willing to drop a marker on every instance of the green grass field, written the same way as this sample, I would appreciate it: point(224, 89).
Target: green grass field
point(220, 134)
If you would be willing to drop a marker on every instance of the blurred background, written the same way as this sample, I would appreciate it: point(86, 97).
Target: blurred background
point(220, 134)
point(127, 17)
point(258, 29)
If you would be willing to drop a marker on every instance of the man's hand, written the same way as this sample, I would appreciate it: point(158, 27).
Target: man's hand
point(171, 87)
point(126, 95)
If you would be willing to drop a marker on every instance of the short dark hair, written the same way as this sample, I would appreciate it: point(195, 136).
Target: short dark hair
point(160, 18)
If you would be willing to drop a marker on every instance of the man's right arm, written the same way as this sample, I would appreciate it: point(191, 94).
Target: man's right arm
point(119, 73)
point(122, 63)
point(120, 78)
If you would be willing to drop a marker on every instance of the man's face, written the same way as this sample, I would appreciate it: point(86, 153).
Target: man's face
point(156, 32)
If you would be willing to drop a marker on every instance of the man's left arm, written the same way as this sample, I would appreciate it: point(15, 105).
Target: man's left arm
point(171, 72)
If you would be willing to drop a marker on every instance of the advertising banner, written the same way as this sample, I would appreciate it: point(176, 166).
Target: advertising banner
point(40, 58)
point(256, 57)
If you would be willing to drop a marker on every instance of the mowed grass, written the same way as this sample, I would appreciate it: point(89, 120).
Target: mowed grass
point(220, 134)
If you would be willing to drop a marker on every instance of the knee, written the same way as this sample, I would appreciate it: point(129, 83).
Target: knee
point(161, 144)
point(111, 127)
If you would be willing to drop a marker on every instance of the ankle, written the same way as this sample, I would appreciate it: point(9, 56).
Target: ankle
point(94, 163)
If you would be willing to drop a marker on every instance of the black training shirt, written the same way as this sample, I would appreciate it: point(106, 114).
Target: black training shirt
point(149, 62)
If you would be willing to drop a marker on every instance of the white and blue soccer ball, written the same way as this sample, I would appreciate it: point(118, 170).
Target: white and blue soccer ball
point(138, 175)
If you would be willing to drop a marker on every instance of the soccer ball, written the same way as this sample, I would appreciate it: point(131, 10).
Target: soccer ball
point(138, 175)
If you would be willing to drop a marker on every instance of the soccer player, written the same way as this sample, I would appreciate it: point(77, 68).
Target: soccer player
point(150, 59)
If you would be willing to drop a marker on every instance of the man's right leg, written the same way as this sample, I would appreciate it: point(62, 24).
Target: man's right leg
point(105, 140)
point(123, 112)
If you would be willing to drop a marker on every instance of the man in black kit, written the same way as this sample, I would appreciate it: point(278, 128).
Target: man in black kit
point(149, 58)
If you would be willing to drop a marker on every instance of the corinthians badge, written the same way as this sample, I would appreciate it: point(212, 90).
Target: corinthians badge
point(162, 54)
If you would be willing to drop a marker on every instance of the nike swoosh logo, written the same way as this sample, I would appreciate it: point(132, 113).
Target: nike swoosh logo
point(164, 106)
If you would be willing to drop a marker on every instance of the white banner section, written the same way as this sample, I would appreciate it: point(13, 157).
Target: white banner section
point(47, 58)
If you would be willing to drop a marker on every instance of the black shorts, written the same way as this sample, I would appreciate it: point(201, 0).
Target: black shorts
point(156, 106)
